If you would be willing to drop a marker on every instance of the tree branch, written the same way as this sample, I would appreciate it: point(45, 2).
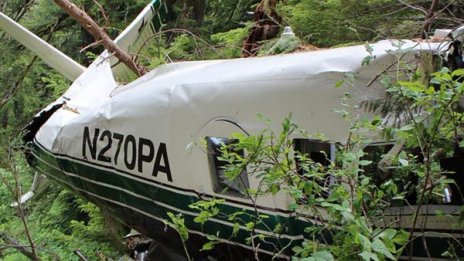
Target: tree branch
point(99, 34)
point(13, 243)
point(429, 18)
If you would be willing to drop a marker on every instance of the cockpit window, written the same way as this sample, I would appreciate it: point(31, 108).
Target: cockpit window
point(222, 184)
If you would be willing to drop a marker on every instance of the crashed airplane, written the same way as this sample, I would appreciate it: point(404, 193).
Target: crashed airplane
point(131, 148)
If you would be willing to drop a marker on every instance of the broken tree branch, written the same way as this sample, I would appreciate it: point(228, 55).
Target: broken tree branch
point(99, 34)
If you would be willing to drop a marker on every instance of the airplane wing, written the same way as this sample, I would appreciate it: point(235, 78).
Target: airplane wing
point(59, 61)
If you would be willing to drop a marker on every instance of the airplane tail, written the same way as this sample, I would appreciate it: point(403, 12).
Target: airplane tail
point(136, 35)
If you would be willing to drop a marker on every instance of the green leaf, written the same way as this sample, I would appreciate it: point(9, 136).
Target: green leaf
point(274, 188)
point(208, 246)
point(364, 162)
point(458, 72)
point(367, 256)
point(379, 247)
point(388, 233)
point(323, 255)
point(339, 83)
point(390, 245)
point(407, 127)
point(293, 206)
point(447, 181)
point(430, 90)
point(447, 254)
point(297, 249)
point(461, 144)
point(250, 226)
point(401, 237)
point(364, 241)
point(376, 121)
point(335, 207)
point(413, 86)
point(235, 229)
point(404, 162)
point(365, 181)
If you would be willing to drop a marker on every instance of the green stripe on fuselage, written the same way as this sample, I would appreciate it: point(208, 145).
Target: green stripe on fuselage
point(154, 199)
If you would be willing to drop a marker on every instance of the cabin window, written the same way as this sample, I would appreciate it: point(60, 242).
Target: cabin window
point(222, 184)
point(319, 151)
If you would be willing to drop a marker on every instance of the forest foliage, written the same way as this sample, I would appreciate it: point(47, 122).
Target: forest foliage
point(60, 223)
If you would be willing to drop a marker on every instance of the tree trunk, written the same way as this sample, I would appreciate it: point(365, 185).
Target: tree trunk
point(266, 27)
point(199, 9)
point(100, 35)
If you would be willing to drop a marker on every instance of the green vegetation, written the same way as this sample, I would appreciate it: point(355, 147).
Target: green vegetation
point(58, 223)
